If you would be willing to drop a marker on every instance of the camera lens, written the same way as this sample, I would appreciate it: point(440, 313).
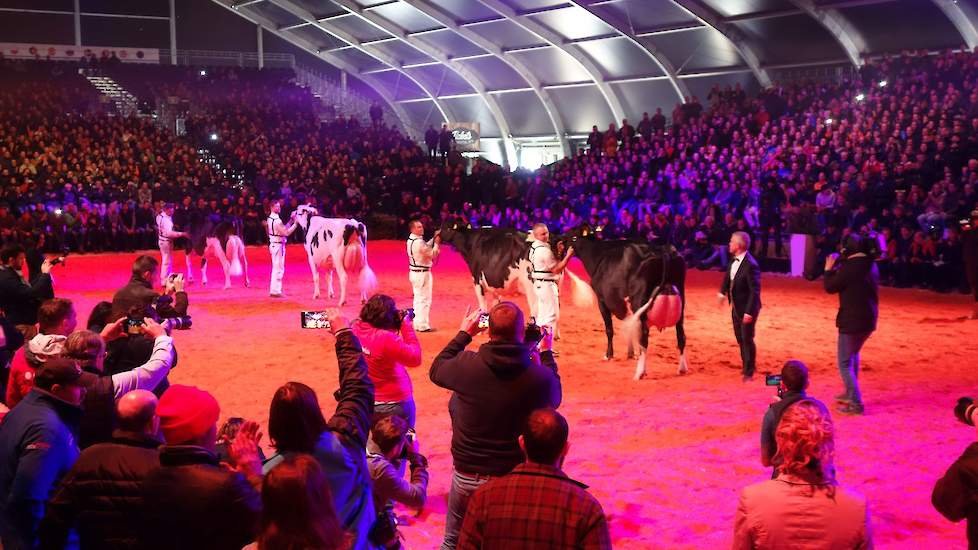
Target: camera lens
point(965, 409)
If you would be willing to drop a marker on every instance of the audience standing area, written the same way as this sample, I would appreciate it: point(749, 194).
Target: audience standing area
point(666, 456)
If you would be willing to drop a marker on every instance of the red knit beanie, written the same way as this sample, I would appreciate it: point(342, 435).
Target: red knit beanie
point(186, 413)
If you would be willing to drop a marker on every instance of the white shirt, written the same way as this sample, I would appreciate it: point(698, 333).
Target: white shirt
point(277, 231)
point(164, 227)
point(735, 267)
point(543, 260)
point(421, 253)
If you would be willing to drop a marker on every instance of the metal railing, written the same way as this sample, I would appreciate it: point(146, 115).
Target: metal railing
point(228, 59)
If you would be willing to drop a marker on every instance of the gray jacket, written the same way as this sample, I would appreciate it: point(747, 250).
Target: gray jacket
point(390, 485)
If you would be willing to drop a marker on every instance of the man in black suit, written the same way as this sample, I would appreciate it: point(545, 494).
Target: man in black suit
point(856, 280)
point(742, 287)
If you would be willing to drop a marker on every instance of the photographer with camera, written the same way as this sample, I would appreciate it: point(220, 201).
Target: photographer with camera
point(139, 292)
point(390, 346)
point(494, 391)
point(792, 383)
point(20, 299)
point(392, 443)
point(954, 494)
point(88, 349)
point(853, 275)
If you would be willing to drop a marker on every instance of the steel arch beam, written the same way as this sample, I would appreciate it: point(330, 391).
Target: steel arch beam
point(434, 12)
point(966, 27)
point(609, 94)
point(657, 57)
point(705, 14)
point(272, 27)
point(839, 27)
point(436, 53)
point(305, 15)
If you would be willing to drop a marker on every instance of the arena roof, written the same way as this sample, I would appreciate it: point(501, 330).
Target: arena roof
point(551, 68)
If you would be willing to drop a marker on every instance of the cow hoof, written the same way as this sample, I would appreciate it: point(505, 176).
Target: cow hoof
point(608, 357)
point(247, 284)
point(631, 356)
point(315, 296)
point(639, 376)
point(227, 287)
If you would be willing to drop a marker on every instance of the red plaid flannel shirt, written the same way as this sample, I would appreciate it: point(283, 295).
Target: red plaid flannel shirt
point(534, 507)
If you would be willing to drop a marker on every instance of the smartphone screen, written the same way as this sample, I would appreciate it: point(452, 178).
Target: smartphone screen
point(484, 320)
point(772, 379)
point(315, 319)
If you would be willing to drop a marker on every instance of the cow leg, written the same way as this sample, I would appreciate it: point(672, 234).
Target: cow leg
point(315, 277)
point(244, 263)
point(203, 271)
point(329, 283)
point(643, 347)
point(609, 330)
point(190, 269)
point(341, 273)
point(681, 337)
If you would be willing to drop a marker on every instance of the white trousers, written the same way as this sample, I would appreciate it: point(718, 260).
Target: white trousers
point(166, 262)
point(421, 285)
point(548, 303)
point(277, 251)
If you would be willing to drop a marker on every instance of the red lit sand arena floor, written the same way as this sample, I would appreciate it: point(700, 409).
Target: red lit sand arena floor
point(665, 456)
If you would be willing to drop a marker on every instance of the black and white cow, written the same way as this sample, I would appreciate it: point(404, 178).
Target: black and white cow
point(219, 241)
point(340, 245)
point(496, 257)
point(624, 275)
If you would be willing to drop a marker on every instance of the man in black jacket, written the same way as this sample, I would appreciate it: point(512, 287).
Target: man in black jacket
point(431, 142)
point(190, 501)
point(954, 494)
point(969, 240)
point(494, 391)
point(101, 496)
point(139, 292)
point(856, 281)
point(741, 287)
point(794, 382)
point(19, 299)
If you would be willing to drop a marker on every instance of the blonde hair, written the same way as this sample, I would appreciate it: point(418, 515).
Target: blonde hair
point(85, 346)
point(806, 441)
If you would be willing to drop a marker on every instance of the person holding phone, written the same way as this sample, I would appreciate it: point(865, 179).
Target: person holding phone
point(390, 346)
point(494, 391)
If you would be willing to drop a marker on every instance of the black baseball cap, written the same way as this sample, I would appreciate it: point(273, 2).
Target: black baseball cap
point(63, 372)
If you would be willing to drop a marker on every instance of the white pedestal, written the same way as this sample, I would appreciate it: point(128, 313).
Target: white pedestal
point(802, 254)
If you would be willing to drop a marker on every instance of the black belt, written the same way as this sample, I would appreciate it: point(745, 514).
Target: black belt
point(546, 281)
point(420, 269)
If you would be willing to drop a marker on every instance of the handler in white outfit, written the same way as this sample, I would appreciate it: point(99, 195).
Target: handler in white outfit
point(278, 234)
point(165, 236)
point(421, 257)
point(546, 271)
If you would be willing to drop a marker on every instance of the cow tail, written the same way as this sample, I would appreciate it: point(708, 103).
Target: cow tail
point(234, 249)
point(368, 280)
point(582, 295)
point(632, 325)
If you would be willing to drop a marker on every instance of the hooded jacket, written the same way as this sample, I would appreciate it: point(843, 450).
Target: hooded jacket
point(494, 391)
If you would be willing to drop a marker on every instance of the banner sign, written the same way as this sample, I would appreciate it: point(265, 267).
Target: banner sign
point(61, 52)
point(466, 135)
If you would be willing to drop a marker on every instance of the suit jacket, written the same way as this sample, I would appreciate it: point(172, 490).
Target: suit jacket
point(744, 291)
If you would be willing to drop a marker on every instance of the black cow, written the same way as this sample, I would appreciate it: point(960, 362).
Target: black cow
point(624, 275)
point(496, 257)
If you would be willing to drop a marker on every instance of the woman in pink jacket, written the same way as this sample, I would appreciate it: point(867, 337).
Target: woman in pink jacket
point(390, 347)
point(804, 508)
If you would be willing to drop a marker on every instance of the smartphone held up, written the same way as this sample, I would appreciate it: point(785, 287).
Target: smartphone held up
point(315, 319)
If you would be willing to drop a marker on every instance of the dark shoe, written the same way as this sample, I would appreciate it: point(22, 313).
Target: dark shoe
point(851, 409)
point(843, 398)
point(275, 295)
point(747, 378)
point(426, 330)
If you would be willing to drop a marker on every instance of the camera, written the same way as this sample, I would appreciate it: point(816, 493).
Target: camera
point(61, 259)
point(314, 319)
point(534, 333)
point(409, 438)
point(406, 314)
point(134, 324)
point(178, 323)
point(965, 410)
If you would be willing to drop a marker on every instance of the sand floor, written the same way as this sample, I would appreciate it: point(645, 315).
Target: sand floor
point(666, 456)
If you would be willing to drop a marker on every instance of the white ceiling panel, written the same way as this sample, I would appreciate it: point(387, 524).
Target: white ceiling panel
point(397, 49)
point(640, 97)
point(495, 73)
point(406, 17)
point(696, 50)
point(553, 66)
point(450, 41)
point(360, 29)
point(465, 10)
point(620, 58)
point(399, 86)
point(473, 109)
point(525, 114)
point(506, 34)
point(573, 23)
point(582, 107)
point(646, 14)
point(440, 80)
point(359, 59)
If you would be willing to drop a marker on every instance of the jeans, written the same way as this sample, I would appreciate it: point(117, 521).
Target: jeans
point(849, 346)
point(404, 409)
point(463, 486)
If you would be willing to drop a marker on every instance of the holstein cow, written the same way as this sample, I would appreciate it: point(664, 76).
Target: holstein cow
point(496, 257)
point(220, 241)
point(626, 274)
point(338, 244)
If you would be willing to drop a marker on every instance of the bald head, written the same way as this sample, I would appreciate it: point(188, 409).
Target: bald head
point(544, 437)
point(506, 323)
point(136, 412)
point(541, 232)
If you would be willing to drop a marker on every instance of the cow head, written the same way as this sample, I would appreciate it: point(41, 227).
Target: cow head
point(574, 236)
point(452, 228)
point(302, 215)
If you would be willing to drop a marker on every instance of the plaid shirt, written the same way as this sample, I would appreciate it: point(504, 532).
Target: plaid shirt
point(534, 507)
